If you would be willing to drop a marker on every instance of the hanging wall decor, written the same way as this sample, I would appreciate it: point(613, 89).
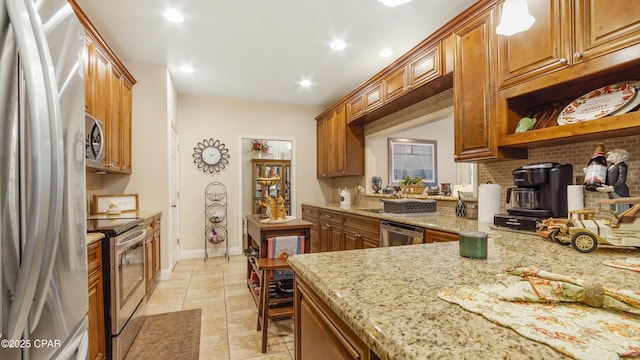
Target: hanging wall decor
point(211, 156)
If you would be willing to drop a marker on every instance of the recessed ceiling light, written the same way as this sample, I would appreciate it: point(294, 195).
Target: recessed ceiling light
point(338, 44)
point(173, 15)
point(393, 3)
point(305, 83)
point(186, 69)
point(385, 53)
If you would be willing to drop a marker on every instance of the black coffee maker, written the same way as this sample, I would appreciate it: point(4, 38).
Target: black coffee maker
point(540, 193)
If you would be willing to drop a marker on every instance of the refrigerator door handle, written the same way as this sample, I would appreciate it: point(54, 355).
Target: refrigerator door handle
point(52, 234)
point(33, 240)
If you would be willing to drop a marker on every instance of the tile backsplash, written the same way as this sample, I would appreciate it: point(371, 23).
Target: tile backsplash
point(577, 154)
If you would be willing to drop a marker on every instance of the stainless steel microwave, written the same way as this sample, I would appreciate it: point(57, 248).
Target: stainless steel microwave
point(94, 141)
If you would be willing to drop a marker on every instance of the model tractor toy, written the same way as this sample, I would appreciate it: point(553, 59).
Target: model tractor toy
point(585, 232)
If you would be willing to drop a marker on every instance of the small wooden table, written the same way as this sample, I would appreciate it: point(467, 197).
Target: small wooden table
point(257, 235)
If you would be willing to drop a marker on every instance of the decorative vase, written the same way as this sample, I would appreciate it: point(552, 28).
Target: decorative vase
point(445, 188)
point(376, 184)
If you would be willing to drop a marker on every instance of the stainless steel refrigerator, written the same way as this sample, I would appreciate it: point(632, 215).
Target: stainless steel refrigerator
point(42, 182)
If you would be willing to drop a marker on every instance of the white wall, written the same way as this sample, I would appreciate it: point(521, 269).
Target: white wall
point(150, 148)
point(228, 120)
point(440, 129)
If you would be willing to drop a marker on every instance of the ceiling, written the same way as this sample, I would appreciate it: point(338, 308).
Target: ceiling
point(261, 49)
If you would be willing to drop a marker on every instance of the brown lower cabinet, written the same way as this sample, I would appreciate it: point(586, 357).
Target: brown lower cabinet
point(431, 236)
point(319, 333)
point(152, 253)
point(330, 230)
point(310, 214)
point(360, 232)
point(95, 314)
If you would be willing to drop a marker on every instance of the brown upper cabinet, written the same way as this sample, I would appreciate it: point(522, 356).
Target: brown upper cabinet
point(108, 96)
point(340, 147)
point(424, 67)
point(574, 46)
point(474, 98)
point(566, 33)
point(578, 46)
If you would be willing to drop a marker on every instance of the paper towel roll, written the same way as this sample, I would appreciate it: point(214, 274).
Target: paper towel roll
point(489, 201)
point(575, 197)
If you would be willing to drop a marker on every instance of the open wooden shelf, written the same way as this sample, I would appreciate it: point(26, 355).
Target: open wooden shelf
point(612, 126)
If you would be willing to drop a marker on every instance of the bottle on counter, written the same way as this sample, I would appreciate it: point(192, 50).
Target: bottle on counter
point(596, 172)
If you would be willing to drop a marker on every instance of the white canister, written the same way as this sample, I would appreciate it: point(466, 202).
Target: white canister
point(345, 197)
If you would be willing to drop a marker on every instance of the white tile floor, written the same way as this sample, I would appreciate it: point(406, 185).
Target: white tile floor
point(229, 314)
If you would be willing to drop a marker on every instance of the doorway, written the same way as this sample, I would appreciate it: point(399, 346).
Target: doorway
point(280, 149)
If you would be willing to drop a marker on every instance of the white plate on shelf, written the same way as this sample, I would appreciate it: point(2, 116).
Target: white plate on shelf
point(633, 102)
point(597, 103)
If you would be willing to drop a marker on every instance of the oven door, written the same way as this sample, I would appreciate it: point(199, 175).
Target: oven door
point(127, 276)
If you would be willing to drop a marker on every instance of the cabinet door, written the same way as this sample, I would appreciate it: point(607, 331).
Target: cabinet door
point(125, 118)
point(113, 135)
point(604, 26)
point(335, 241)
point(424, 68)
point(148, 263)
point(370, 242)
point(89, 74)
point(95, 314)
point(97, 336)
point(311, 214)
point(545, 47)
point(339, 128)
point(324, 236)
point(100, 87)
point(351, 240)
point(323, 144)
point(320, 334)
point(156, 254)
point(355, 108)
point(395, 84)
point(373, 97)
point(473, 90)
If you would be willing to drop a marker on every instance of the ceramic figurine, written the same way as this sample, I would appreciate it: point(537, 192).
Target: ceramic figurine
point(616, 184)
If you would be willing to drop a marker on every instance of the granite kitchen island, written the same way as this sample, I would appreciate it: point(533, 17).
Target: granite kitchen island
point(386, 298)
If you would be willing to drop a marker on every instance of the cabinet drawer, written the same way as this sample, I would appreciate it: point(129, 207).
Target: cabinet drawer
point(309, 213)
point(94, 257)
point(330, 216)
point(439, 236)
point(361, 224)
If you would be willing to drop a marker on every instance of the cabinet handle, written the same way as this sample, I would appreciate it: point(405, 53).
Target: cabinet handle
point(563, 60)
point(577, 55)
point(328, 226)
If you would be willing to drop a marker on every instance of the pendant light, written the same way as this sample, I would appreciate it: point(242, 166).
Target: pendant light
point(393, 3)
point(515, 18)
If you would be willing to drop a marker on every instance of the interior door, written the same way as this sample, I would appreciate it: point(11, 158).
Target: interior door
point(174, 221)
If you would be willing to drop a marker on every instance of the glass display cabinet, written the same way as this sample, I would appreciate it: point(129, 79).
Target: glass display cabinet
point(271, 177)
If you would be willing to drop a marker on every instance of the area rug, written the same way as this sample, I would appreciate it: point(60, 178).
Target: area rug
point(174, 335)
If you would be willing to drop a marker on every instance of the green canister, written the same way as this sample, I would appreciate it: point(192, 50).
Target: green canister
point(473, 244)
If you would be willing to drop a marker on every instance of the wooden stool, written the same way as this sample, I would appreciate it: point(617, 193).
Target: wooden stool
point(265, 266)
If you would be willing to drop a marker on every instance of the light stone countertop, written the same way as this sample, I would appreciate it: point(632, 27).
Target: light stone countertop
point(93, 237)
point(436, 220)
point(388, 296)
point(145, 214)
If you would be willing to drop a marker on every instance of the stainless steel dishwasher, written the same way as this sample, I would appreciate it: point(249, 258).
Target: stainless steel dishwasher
point(395, 234)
